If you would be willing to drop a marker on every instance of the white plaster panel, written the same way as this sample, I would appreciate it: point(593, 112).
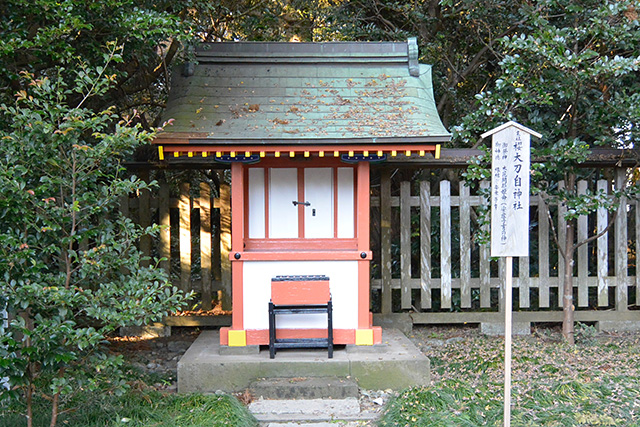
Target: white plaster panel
point(283, 215)
point(256, 203)
point(343, 282)
point(318, 191)
point(346, 221)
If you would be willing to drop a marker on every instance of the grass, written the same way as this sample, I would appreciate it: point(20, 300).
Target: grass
point(138, 407)
point(596, 383)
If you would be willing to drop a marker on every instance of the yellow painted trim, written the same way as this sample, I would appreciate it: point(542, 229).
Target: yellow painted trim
point(336, 154)
point(306, 154)
point(276, 154)
point(247, 153)
point(292, 153)
point(437, 155)
point(205, 154)
point(394, 153)
point(365, 153)
point(239, 338)
point(407, 153)
point(233, 154)
point(160, 152)
point(262, 154)
point(421, 153)
point(363, 337)
point(321, 154)
point(218, 153)
point(380, 153)
point(176, 154)
point(190, 154)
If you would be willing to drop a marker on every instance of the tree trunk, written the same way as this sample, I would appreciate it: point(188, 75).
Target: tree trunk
point(569, 248)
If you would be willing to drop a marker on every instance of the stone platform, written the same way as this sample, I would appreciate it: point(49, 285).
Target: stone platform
point(394, 364)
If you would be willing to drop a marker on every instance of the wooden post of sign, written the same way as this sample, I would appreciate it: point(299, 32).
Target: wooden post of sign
point(510, 164)
point(507, 341)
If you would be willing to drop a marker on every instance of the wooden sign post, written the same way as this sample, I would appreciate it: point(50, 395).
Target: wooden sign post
point(510, 165)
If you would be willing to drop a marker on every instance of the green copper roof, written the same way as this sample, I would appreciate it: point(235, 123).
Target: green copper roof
point(253, 92)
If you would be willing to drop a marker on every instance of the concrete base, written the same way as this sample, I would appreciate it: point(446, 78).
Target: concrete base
point(517, 328)
point(304, 388)
point(618, 326)
point(204, 369)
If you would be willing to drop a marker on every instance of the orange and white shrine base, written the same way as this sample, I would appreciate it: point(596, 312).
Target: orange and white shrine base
point(305, 213)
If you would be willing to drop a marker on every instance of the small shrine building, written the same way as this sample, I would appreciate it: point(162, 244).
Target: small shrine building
point(300, 124)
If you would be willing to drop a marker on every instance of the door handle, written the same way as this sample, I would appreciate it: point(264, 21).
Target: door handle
point(301, 203)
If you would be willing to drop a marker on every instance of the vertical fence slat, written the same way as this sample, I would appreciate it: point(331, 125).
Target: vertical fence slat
point(465, 246)
point(385, 239)
point(405, 244)
point(164, 249)
point(603, 250)
point(524, 281)
point(583, 254)
point(144, 220)
point(205, 244)
point(621, 247)
point(485, 262)
point(562, 238)
point(543, 254)
point(225, 241)
point(445, 244)
point(425, 245)
point(184, 205)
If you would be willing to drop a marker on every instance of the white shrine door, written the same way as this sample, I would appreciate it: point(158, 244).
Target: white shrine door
point(308, 203)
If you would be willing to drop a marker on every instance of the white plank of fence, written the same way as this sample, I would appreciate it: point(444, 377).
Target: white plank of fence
point(405, 244)
point(425, 245)
point(583, 254)
point(485, 260)
point(445, 243)
point(205, 244)
point(524, 281)
point(603, 250)
point(385, 240)
point(185, 237)
point(465, 246)
point(164, 249)
point(621, 246)
point(562, 238)
point(543, 254)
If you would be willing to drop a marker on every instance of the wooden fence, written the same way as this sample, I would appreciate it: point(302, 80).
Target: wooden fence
point(427, 263)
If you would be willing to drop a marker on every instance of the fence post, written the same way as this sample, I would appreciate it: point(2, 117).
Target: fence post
point(485, 261)
point(225, 241)
point(465, 246)
point(425, 245)
point(445, 244)
point(385, 240)
point(184, 206)
point(621, 246)
point(205, 244)
point(165, 232)
point(405, 244)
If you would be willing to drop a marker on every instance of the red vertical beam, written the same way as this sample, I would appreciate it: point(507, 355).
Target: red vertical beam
point(237, 238)
point(362, 228)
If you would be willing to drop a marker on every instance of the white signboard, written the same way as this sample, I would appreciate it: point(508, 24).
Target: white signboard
point(510, 165)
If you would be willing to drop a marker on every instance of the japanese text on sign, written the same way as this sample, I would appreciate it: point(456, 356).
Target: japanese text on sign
point(510, 192)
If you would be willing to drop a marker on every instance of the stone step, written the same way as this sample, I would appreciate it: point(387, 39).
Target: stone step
point(305, 388)
point(308, 411)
